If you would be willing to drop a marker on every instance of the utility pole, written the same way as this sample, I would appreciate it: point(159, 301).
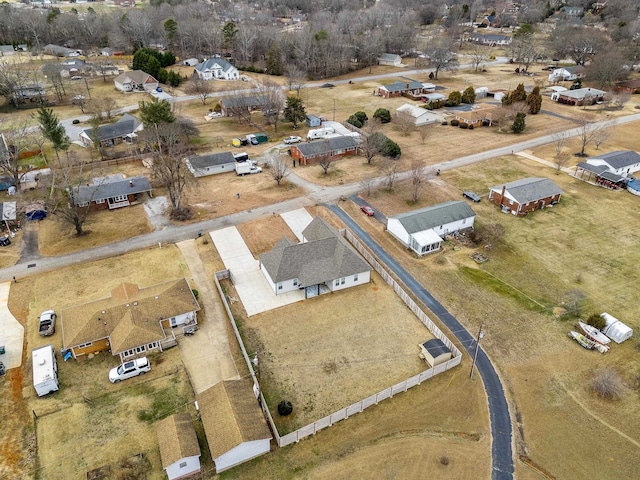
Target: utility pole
point(475, 354)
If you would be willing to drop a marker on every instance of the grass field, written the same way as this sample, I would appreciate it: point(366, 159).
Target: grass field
point(584, 246)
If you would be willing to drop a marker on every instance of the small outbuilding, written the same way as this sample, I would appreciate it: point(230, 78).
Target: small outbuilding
point(179, 449)
point(435, 352)
point(419, 116)
point(233, 423)
point(390, 59)
point(615, 329)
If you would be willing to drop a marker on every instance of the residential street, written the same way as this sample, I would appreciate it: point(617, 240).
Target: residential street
point(502, 456)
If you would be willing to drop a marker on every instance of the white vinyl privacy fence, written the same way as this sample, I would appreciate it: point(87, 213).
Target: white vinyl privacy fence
point(374, 399)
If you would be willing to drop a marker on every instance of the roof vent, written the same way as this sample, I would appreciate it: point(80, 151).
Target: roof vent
point(127, 305)
point(135, 304)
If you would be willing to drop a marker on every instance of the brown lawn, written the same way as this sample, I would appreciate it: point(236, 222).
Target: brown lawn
point(586, 245)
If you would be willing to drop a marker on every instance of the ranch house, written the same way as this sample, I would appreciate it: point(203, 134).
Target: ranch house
point(135, 81)
point(341, 146)
point(131, 322)
point(114, 191)
point(124, 130)
point(525, 195)
point(204, 165)
point(422, 230)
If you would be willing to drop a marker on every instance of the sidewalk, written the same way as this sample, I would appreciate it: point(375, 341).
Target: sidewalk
point(206, 355)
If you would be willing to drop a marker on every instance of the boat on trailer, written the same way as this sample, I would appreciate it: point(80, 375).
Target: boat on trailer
point(593, 333)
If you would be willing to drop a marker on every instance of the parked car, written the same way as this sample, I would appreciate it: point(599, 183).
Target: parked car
point(292, 139)
point(76, 77)
point(47, 323)
point(474, 197)
point(133, 368)
point(75, 121)
point(368, 211)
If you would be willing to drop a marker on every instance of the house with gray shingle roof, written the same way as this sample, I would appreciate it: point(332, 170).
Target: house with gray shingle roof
point(113, 191)
point(239, 105)
point(410, 88)
point(124, 130)
point(422, 230)
point(218, 69)
point(203, 165)
point(337, 147)
point(525, 195)
point(620, 162)
point(323, 262)
point(135, 81)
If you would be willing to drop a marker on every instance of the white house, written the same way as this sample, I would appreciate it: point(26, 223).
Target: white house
point(422, 230)
point(324, 262)
point(567, 74)
point(233, 423)
point(135, 81)
point(216, 68)
point(390, 59)
point(179, 449)
point(203, 165)
point(420, 116)
point(620, 162)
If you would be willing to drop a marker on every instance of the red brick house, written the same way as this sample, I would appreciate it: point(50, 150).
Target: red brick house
point(305, 153)
point(525, 195)
point(114, 191)
point(630, 86)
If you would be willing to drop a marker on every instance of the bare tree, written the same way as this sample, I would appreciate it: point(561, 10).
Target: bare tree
point(561, 158)
point(418, 177)
point(201, 88)
point(372, 140)
point(102, 107)
point(278, 168)
point(423, 132)
point(168, 145)
point(405, 123)
point(607, 384)
point(71, 192)
point(325, 162)
point(600, 136)
point(17, 140)
point(390, 169)
point(479, 54)
point(367, 185)
point(587, 131)
point(440, 55)
point(273, 104)
point(295, 78)
point(494, 233)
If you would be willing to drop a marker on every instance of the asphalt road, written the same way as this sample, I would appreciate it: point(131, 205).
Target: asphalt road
point(502, 467)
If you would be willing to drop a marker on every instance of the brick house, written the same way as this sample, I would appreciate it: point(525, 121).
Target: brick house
point(525, 195)
point(337, 147)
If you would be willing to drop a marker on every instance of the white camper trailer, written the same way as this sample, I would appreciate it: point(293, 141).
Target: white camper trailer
point(615, 329)
point(45, 370)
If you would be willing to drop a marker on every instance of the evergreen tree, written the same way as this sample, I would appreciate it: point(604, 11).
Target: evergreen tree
point(469, 95)
point(518, 123)
point(383, 115)
point(155, 112)
point(168, 58)
point(294, 111)
point(273, 60)
point(455, 99)
point(534, 101)
point(52, 130)
point(518, 95)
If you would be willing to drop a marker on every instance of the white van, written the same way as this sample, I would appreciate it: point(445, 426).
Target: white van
point(45, 370)
point(133, 368)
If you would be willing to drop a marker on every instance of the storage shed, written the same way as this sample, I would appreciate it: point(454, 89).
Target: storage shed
point(435, 352)
point(179, 449)
point(615, 329)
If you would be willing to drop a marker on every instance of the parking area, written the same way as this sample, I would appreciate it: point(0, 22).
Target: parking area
point(297, 221)
point(11, 332)
point(255, 293)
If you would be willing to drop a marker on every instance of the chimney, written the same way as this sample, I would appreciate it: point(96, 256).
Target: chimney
point(504, 187)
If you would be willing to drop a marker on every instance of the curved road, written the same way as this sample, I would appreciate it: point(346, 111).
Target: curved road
point(502, 467)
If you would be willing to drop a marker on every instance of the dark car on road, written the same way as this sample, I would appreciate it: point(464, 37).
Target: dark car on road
point(474, 197)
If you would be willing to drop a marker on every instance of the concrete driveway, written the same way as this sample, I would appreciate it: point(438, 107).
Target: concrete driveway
point(253, 289)
point(206, 355)
point(297, 220)
point(11, 331)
